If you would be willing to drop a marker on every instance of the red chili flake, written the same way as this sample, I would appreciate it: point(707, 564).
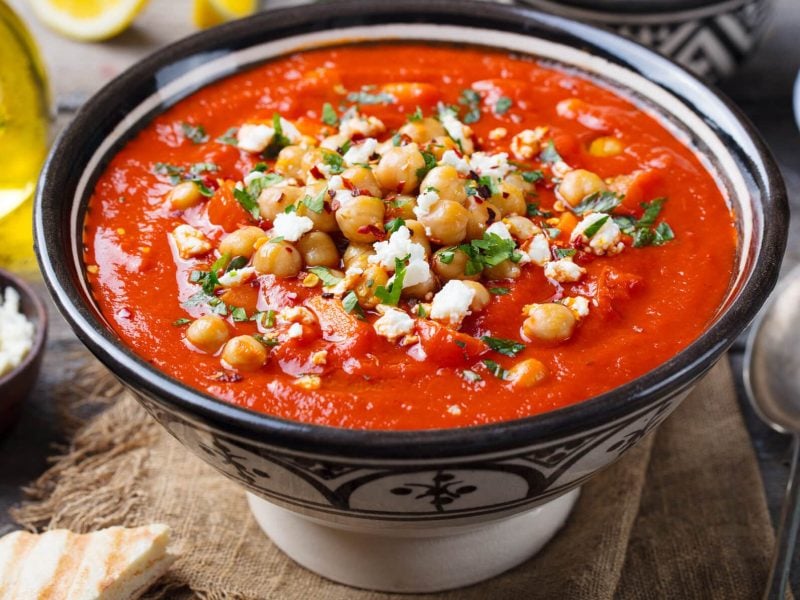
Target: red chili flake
point(400, 186)
point(348, 184)
point(327, 295)
point(210, 183)
point(226, 377)
point(373, 229)
point(316, 173)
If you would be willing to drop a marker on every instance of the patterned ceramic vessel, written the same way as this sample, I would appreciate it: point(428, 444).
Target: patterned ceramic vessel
point(709, 37)
point(413, 510)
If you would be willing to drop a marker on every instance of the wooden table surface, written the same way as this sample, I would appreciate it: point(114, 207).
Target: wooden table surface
point(762, 89)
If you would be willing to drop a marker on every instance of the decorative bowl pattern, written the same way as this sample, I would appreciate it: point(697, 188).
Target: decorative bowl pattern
point(402, 481)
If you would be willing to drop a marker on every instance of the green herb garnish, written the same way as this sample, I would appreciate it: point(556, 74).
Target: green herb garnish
point(365, 96)
point(503, 346)
point(334, 161)
point(394, 225)
point(550, 155)
point(495, 369)
point(532, 176)
point(328, 277)
point(181, 322)
point(592, 229)
point(317, 203)
point(533, 210)
point(391, 295)
point(603, 202)
point(229, 137)
point(351, 305)
point(239, 314)
point(430, 163)
point(502, 105)
point(499, 291)
point(564, 252)
point(329, 116)
point(415, 116)
point(196, 133)
point(472, 100)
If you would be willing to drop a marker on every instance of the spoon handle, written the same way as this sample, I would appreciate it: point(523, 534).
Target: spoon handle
point(787, 532)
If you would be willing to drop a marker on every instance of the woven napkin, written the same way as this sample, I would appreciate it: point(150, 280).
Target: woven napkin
point(682, 515)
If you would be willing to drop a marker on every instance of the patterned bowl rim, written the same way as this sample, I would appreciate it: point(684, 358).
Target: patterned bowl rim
point(54, 237)
point(613, 10)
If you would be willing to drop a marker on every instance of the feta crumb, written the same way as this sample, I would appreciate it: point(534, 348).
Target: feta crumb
point(353, 123)
point(291, 227)
point(563, 270)
point(425, 202)
point(400, 246)
point(491, 165)
point(452, 302)
point(189, 241)
point(525, 145)
point(341, 194)
point(460, 163)
point(254, 138)
point(295, 331)
point(607, 239)
point(237, 277)
point(454, 409)
point(539, 250)
point(498, 133)
point(579, 305)
point(360, 153)
point(499, 229)
point(393, 323)
point(457, 131)
point(308, 382)
point(16, 332)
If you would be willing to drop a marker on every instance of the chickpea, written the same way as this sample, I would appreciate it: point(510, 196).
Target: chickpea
point(605, 146)
point(527, 373)
point(505, 270)
point(274, 200)
point(419, 235)
point(244, 353)
point(447, 183)
point(360, 218)
point(290, 162)
point(521, 228)
point(364, 179)
point(456, 266)
point(401, 207)
point(423, 130)
point(323, 220)
point(397, 169)
point(184, 195)
point(447, 223)
point(482, 296)
point(355, 254)
point(550, 322)
point(441, 144)
point(242, 241)
point(517, 180)
point(511, 199)
point(208, 333)
point(317, 249)
point(421, 290)
point(481, 215)
point(578, 184)
point(278, 258)
point(374, 276)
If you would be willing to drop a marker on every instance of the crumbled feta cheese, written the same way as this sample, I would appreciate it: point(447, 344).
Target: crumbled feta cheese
point(360, 153)
point(308, 382)
point(579, 305)
point(563, 270)
point(290, 132)
point(393, 322)
point(291, 227)
point(16, 332)
point(237, 277)
point(539, 250)
point(525, 145)
point(340, 192)
point(297, 314)
point(491, 165)
point(499, 229)
point(457, 131)
point(400, 246)
point(460, 163)
point(190, 242)
point(607, 239)
point(452, 302)
point(425, 202)
point(498, 133)
point(454, 409)
point(295, 331)
point(254, 138)
point(353, 124)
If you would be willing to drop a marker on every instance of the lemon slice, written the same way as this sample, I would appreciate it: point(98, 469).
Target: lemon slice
point(208, 13)
point(89, 20)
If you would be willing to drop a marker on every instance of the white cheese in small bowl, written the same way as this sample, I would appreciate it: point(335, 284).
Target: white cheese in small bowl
point(16, 332)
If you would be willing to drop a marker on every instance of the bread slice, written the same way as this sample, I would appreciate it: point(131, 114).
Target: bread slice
point(118, 563)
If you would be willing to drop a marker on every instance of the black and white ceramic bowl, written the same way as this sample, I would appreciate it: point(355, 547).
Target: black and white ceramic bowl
point(709, 37)
point(410, 510)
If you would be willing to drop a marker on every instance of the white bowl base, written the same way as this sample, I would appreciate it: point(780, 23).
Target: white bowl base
point(412, 560)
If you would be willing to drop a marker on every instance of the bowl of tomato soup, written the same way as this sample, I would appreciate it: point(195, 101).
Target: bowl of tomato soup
point(409, 278)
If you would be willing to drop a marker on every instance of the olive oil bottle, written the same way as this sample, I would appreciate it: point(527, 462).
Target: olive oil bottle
point(24, 120)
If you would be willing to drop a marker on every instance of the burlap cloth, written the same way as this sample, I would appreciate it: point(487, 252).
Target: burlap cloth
point(682, 515)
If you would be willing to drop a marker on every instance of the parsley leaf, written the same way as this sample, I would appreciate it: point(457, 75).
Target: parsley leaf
point(181, 322)
point(495, 369)
point(499, 291)
point(334, 161)
point(415, 116)
point(279, 140)
point(532, 176)
point(471, 99)
point(391, 295)
point(196, 133)
point(351, 305)
point(365, 96)
point(317, 203)
point(533, 210)
point(329, 116)
point(430, 163)
point(394, 225)
point(229, 137)
point(550, 154)
point(603, 202)
point(560, 253)
point(592, 229)
point(173, 172)
point(643, 234)
point(493, 249)
point(663, 234)
point(328, 277)
point(503, 346)
point(502, 105)
point(239, 314)
point(247, 202)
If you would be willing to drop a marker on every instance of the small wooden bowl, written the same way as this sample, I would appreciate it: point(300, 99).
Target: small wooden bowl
point(17, 384)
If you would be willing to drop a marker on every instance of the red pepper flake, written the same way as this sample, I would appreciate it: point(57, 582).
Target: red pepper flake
point(373, 229)
point(226, 377)
point(316, 173)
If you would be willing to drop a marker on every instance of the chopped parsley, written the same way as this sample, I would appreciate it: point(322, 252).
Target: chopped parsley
point(415, 116)
point(317, 203)
point(248, 197)
point(229, 137)
point(532, 176)
point(592, 229)
point(391, 295)
point(550, 155)
point(472, 101)
point(209, 279)
point(237, 263)
point(502, 105)
point(181, 322)
point(279, 140)
point(503, 346)
point(488, 251)
point(366, 96)
point(328, 277)
point(394, 225)
point(643, 232)
point(533, 210)
point(329, 116)
point(266, 341)
point(495, 369)
point(603, 202)
point(247, 202)
point(560, 253)
point(430, 163)
point(334, 161)
point(446, 255)
point(421, 312)
point(351, 305)
point(499, 291)
point(175, 173)
point(196, 133)
point(239, 314)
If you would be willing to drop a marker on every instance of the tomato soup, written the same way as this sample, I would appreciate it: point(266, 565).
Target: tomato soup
point(407, 236)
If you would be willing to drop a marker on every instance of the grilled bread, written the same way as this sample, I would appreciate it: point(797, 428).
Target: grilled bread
point(118, 563)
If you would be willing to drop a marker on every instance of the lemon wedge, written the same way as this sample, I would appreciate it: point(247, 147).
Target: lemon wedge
point(87, 20)
point(208, 13)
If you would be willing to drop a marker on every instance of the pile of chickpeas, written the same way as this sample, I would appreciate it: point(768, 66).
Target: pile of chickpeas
point(344, 232)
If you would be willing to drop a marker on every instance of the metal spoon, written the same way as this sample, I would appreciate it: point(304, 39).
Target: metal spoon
point(772, 381)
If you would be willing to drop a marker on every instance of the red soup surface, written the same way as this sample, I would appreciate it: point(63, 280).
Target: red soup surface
point(406, 236)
